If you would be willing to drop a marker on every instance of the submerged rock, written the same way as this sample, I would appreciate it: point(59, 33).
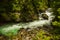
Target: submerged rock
point(44, 16)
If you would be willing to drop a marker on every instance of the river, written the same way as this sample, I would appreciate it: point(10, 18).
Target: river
point(12, 29)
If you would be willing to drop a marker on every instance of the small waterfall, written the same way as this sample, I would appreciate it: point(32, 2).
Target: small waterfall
point(13, 29)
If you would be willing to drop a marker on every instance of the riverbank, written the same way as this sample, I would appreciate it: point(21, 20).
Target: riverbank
point(27, 34)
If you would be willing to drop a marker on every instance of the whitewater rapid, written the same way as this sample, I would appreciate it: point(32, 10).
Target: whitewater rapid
point(38, 23)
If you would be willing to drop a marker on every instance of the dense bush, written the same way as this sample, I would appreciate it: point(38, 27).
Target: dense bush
point(28, 9)
point(56, 8)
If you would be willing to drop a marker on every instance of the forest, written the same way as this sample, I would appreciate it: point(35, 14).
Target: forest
point(29, 19)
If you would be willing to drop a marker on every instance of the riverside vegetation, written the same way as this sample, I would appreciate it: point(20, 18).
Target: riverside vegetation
point(16, 11)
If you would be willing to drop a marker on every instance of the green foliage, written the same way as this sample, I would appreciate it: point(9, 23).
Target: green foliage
point(42, 35)
point(55, 23)
point(24, 7)
point(56, 8)
point(15, 16)
point(42, 5)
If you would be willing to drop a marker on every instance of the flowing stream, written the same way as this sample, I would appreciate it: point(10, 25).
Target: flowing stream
point(12, 29)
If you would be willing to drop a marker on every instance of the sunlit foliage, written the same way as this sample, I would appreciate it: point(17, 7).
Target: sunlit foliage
point(28, 9)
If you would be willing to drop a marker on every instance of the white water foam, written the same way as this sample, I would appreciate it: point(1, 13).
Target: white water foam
point(33, 24)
